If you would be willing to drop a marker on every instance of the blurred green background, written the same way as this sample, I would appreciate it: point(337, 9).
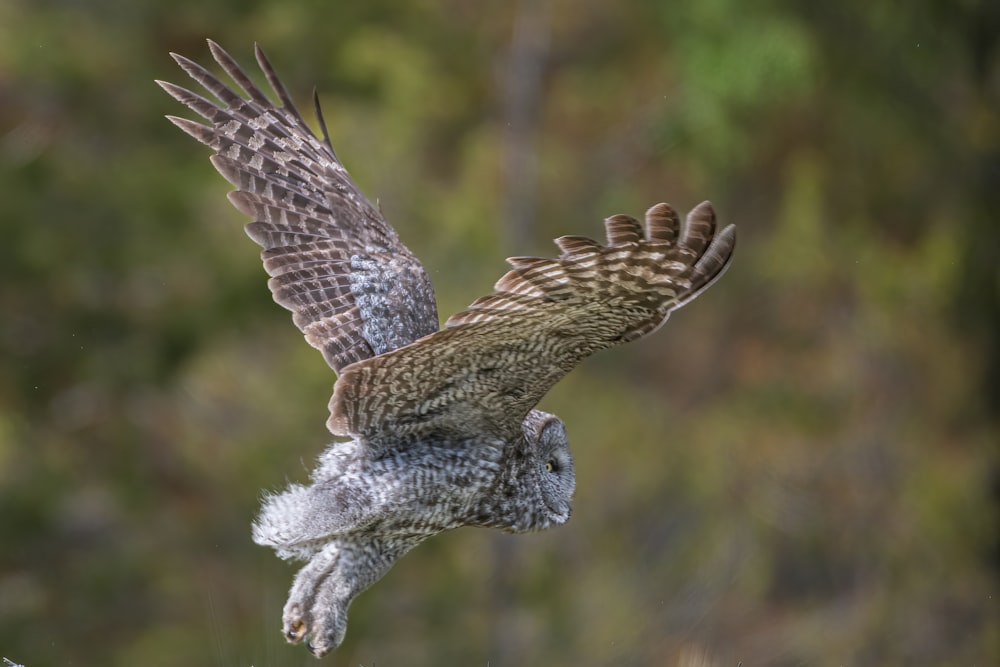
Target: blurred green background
point(800, 469)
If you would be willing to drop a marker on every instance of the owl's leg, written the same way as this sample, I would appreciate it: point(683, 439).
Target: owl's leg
point(326, 586)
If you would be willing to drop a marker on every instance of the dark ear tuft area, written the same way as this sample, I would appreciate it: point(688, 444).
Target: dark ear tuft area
point(553, 431)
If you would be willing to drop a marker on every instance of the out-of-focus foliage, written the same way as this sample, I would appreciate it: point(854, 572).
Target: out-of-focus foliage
point(800, 469)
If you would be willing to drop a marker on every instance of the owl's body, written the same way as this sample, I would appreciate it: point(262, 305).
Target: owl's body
point(440, 425)
point(424, 489)
point(364, 511)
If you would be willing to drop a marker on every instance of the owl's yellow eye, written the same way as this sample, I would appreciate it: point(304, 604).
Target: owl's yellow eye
point(550, 466)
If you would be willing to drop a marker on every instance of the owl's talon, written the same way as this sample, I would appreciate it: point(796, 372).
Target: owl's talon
point(296, 632)
point(318, 651)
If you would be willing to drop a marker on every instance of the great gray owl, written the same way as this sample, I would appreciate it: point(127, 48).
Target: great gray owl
point(438, 425)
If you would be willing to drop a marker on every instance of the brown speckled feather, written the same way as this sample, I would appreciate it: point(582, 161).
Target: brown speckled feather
point(494, 361)
point(354, 289)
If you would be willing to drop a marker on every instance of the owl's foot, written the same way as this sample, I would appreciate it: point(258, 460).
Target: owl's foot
point(295, 630)
point(323, 628)
point(316, 610)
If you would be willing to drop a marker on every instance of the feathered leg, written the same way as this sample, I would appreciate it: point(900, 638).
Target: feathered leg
point(324, 589)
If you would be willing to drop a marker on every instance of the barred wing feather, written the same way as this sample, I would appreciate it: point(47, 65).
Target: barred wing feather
point(494, 361)
point(354, 289)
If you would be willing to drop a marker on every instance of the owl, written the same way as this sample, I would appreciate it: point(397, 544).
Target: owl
point(435, 428)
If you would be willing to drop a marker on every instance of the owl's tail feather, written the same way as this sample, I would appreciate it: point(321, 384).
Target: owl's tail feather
point(297, 522)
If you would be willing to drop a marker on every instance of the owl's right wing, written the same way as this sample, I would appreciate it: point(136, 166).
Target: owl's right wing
point(354, 289)
point(482, 374)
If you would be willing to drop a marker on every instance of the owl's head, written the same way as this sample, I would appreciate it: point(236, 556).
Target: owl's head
point(549, 456)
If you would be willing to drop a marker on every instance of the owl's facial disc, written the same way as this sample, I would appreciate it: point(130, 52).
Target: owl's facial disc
point(557, 479)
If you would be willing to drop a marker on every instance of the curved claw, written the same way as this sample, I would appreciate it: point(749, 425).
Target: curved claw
point(296, 632)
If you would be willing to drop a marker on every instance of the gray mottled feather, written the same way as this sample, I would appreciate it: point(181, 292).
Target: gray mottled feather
point(354, 289)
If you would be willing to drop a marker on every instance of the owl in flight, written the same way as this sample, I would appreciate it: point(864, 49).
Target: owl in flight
point(437, 427)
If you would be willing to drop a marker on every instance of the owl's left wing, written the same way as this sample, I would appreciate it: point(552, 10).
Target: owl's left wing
point(493, 362)
point(354, 289)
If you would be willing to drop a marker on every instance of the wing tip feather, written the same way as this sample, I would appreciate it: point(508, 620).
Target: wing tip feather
point(229, 169)
point(192, 128)
point(662, 223)
point(573, 244)
point(622, 229)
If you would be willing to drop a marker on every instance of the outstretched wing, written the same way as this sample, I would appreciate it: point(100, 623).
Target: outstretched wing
point(354, 289)
point(493, 362)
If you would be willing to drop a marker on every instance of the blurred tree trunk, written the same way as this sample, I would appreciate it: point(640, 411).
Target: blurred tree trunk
point(529, 52)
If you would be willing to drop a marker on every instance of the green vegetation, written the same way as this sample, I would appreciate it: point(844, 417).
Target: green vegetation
point(800, 469)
